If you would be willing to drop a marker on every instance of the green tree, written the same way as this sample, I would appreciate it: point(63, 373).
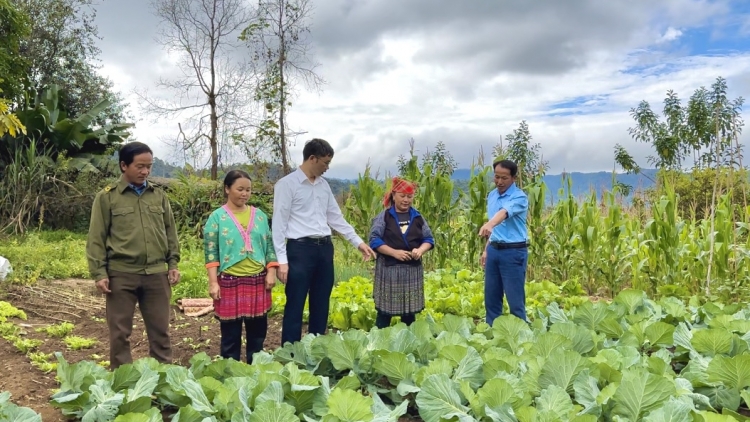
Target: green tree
point(668, 137)
point(527, 155)
point(278, 39)
point(56, 165)
point(14, 27)
point(628, 163)
point(439, 161)
point(706, 130)
point(61, 50)
point(51, 132)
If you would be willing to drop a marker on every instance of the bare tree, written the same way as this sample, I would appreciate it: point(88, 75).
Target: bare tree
point(213, 98)
point(278, 37)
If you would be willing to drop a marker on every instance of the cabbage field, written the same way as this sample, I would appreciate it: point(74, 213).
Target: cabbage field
point(628, 360)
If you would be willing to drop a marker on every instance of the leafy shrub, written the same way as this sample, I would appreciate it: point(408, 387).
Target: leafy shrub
point(193, 199)
point(695, 189)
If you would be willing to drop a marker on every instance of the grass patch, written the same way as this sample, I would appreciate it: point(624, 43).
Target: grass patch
point(57, 330)
point(50, 255)
point(58, 255)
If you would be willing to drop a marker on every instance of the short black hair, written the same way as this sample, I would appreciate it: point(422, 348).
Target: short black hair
point(317, 147)
point(234, 175)
point(508, 165)
point(128, 152)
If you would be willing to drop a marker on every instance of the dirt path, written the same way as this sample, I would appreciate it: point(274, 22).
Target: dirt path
point(32, 388)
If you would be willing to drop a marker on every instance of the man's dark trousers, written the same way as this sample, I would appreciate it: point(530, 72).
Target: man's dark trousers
point(310, 271)
point(505, 274)
point(152, 293)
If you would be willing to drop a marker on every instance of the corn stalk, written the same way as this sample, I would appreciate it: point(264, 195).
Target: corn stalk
point(602, 243)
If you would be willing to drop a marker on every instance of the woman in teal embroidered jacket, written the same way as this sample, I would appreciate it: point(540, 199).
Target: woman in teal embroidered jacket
point(241, 265)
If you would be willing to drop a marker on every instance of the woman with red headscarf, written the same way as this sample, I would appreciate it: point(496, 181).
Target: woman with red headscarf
point(400, 236)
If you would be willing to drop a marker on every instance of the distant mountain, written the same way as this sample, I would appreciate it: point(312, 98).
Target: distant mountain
point(163, 169)
point(582, 183)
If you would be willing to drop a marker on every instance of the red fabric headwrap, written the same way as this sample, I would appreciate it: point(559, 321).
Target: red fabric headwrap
point(401, 186)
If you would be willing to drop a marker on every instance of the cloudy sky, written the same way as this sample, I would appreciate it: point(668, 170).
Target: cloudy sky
point(467, 72)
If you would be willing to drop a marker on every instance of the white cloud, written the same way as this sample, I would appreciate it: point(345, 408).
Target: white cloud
point(670, 35)
point(407, 79)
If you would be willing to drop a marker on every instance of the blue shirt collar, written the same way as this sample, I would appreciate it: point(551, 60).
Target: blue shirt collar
point(139, 189)
point(511, 189)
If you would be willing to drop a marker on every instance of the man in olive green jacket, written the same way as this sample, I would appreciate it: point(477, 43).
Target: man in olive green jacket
point(133, 252)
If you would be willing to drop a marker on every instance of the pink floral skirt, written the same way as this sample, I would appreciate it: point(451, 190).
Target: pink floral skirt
point(242, 297)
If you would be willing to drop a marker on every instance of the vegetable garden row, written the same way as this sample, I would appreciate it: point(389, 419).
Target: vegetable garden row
point(629, 359)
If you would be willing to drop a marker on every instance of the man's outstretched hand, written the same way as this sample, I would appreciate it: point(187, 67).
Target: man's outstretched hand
point(366, 251)
point(486, 229)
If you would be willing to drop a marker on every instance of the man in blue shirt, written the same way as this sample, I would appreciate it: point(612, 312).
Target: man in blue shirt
point(506, 254)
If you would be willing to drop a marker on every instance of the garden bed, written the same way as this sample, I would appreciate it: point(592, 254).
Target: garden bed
point(32, 387)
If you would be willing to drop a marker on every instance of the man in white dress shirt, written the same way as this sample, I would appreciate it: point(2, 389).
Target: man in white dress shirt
point(304, 211)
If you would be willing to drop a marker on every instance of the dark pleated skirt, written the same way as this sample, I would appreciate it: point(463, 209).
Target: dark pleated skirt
point(398, 289)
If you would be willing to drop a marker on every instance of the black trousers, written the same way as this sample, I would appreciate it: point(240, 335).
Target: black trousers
point(310, 273)
point(384, 320)
point(231, 337)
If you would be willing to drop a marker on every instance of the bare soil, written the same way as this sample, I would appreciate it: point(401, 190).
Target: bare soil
point(80, 304)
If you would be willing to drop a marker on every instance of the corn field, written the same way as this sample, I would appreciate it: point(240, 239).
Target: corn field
point(601, 243)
